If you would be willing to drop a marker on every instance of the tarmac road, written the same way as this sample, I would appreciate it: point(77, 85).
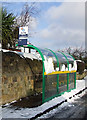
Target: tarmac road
point(72, 110)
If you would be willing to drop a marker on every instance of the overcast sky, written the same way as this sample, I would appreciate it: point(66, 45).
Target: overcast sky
point(59, 25)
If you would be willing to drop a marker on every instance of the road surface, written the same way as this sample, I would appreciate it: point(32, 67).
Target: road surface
point(76, 108)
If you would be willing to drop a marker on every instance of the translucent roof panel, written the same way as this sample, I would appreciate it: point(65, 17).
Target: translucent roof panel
point(63, 64)
point(49, 54)
point(61, 58)
point(54, 61)
point(70, 58)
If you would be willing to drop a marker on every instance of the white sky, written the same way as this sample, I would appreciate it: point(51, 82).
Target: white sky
point(61, 26)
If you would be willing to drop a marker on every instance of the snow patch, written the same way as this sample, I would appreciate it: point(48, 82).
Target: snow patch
point(24, 55)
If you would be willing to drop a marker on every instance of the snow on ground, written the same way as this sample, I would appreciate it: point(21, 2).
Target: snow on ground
point(8, 112)
point(26, 55)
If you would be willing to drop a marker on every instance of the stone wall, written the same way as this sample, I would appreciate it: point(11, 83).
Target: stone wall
point(18, 76)
point(81, 76)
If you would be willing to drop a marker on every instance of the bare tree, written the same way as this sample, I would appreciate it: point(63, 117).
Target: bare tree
point(69, 50)
point(27, 13)
point(79, 53)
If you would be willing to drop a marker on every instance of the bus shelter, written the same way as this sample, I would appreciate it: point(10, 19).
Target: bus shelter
point(58, 72)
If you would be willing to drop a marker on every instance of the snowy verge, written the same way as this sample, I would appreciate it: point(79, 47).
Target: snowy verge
point(32, 112)
point(26, 55)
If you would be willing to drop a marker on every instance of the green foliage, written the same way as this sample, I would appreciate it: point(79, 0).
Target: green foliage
point(16, 32)
point(7, 28)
